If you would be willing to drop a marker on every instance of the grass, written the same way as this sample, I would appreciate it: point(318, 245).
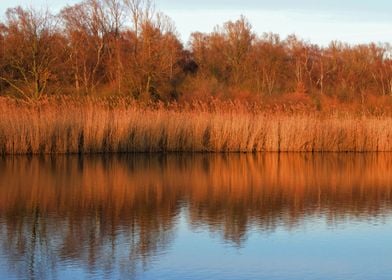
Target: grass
point(62, 126)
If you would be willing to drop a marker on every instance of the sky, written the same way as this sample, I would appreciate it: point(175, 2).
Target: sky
point(316, 21)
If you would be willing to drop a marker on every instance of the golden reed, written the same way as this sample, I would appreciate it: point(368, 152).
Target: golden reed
point(61, 126)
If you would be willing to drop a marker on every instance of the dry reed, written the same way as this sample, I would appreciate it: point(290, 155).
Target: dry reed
point(94, 126)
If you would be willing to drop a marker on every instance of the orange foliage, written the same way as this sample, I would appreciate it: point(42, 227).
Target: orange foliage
point(124, 47)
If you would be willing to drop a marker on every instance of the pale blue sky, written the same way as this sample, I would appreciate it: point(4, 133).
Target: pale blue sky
point(353, 21)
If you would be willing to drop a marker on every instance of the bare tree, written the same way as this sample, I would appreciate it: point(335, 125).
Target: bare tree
point(31, 48)
point(86, 29)
point(140, 11)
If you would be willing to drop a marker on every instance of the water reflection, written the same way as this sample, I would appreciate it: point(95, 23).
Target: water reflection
point(114, 215)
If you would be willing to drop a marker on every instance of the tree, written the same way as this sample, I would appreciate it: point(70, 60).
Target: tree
point(238, 43)
point(86, 28)
point(268, 60)
point(31, 47)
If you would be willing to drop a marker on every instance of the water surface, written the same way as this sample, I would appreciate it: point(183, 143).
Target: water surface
point(265, 216)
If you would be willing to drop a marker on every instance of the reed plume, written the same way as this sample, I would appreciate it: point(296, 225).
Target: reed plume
point(66, 125)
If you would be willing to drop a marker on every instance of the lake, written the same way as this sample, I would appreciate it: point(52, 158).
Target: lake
point(196, 216)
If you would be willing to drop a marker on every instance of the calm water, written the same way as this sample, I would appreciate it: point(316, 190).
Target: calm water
point(290, 216)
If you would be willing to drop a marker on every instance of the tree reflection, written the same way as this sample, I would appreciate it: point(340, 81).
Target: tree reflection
point(116, 213)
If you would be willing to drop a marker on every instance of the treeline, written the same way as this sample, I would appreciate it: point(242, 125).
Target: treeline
point(127, 48)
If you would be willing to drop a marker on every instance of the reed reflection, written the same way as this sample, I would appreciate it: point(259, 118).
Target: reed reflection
point(116, 213)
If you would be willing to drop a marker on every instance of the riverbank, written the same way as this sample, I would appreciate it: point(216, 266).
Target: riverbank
point(64, 126)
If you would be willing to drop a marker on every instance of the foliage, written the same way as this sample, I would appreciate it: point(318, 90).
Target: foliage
point(126, 47)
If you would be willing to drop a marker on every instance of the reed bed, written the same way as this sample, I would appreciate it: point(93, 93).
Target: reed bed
point(61, 126)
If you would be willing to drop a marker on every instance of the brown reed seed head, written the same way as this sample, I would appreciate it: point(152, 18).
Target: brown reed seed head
point(68, 125)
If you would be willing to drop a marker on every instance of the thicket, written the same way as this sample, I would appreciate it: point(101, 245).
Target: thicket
point(127, 48)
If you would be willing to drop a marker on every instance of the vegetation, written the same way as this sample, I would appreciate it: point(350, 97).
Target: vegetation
point(113, 76)
point(123, 125)
point(125, 47)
